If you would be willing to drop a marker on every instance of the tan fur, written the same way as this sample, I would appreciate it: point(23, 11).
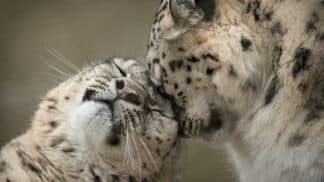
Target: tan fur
point(105, 135)
point(251, 76)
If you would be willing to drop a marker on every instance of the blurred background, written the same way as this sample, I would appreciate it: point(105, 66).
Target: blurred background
point(82, 31)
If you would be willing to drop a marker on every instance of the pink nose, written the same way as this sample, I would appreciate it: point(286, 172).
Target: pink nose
point(123, 89)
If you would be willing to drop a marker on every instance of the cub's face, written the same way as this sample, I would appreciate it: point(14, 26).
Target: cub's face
point(109, 112)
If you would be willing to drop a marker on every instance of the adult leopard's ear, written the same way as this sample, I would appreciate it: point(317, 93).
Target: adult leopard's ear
point(173, 19)
point(186, 11)
point(185, 14)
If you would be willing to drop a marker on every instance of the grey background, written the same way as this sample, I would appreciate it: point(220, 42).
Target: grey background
point(82, 31)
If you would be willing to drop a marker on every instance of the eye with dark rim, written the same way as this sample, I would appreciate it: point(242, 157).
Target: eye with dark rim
point(133, 98)
point(89, 95)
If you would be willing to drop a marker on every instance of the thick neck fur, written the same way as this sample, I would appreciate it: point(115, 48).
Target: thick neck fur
point(277, 137)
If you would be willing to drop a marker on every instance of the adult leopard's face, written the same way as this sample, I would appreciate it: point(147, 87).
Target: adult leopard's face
point(212, 69)
point(108, 113)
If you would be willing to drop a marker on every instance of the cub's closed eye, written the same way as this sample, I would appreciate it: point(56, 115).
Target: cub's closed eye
point(132, 98)
point(89, 95)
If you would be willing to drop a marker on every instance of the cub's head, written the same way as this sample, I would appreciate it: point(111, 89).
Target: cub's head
point(207, 61)
point(107, 120)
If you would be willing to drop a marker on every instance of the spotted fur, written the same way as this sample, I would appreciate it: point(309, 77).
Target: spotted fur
point(104, 124)
point(252, 75)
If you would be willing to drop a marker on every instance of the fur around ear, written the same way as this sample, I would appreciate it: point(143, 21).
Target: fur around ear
point(185, 14)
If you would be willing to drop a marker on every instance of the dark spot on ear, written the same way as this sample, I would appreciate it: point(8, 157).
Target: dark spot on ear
point(8, 180)
point(67, 98)
point(208, 7)
point(301, 58)
point(231, 71)
point(276, 28)
point(172, 65)
point(272, 90)
point(296, 140)
point(245, 44)
point(193, 59)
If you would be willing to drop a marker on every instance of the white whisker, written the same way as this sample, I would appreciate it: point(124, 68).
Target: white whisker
point(61, 58)
point(152, 160)
point(139, 157)
point(56, 69)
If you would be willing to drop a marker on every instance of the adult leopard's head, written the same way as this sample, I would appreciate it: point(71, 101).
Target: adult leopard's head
point(110, 121)
point(203, 55)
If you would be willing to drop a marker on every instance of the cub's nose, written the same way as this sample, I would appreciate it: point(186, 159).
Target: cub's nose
point(120, 84)
point(126, 93)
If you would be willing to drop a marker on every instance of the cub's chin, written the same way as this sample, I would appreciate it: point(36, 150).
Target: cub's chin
point(91, 125)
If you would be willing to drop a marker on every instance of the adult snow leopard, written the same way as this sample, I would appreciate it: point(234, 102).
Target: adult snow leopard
point(249, 73)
